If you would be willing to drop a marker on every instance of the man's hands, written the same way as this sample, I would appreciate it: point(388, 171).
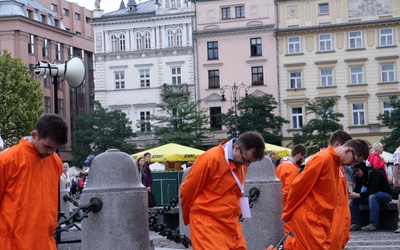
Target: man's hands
point(354, 195)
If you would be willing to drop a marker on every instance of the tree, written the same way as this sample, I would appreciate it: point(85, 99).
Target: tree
point(392, 120)
point(99, 130)
point(255, 113)
point(179, 122)
point(21, 99)
point(315, 135)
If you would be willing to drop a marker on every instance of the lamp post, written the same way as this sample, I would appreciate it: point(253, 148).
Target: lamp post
point(234, 90)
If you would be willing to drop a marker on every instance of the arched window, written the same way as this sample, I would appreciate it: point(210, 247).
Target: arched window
point(113, 43)
point(139, 40)
point(178, 37)
point(147, 40)
point(122, 42)
point(170, 38)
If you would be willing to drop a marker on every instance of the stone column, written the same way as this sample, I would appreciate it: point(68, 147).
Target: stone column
point(123, 222)
point(265, 227)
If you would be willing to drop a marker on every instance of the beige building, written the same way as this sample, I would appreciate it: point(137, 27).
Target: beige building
point(347, 50)
point(235, 45)
point(52, 31)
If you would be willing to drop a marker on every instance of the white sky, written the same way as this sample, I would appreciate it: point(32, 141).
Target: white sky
point(106, 5)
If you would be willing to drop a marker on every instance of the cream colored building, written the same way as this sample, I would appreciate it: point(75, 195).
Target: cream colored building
point(347, 50)
point(234, 44)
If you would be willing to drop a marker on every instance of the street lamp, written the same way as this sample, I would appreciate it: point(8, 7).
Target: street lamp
point(235, 90)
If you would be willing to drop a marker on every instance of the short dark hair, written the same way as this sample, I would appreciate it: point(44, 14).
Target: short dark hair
point(339, 135)
point(299, 149)
point(146, 154)
point(252, 140)
point(52, 126)
point(360, 147)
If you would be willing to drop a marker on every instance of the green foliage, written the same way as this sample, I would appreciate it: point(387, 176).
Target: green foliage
point(255, 113)
point(179, 122)
point(393, 122)
point(316, 133)
point(99, 130)
point(21, 99)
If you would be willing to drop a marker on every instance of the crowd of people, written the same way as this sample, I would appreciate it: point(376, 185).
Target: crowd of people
point(320, 202)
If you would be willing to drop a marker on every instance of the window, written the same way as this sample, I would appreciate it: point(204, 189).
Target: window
point(356, 75)
point(121, 42)
point(355, 40)
point(78, 33)
point(294, 45)
point(295, 80)
point(30, 14)
point(60, 108)
point(88, 19)
point(387, 72)
point(173, 4)
point(176, 77)
point(326, 77)
point(56, 23)
point(323, 8)
point(119, 79)
point(59, 52)
point(44, 18)
point(45, 48)
point(387, 108)
point(297, 117)
point(239, 11)
point(144, 78)
point(255, 47)
point(138, 41)
point(257, 76)
point(358, 114)
point(213, 79)
point(47, 105)
point(325, 42)
point(113, 43)
point(77, 16)
point(31, 44)
point(147, 40)
point(46, 82)
point(66, 12)
point(212, 50)
point(386, 37)
point(215, 123)
point(145, 121)
point(226, 13)
point(54, 7)
point(170, 38)
point(178, 37)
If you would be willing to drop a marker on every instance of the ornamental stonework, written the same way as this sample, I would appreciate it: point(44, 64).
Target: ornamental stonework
point(359, 8)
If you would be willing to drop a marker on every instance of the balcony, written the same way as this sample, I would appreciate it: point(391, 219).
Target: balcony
point(178, 90)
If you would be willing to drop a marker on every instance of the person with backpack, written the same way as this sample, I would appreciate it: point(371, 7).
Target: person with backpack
point(375, 160)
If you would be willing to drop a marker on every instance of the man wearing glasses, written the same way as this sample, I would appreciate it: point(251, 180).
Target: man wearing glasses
point(312, 198)
point(378, 192)
point(212, 193)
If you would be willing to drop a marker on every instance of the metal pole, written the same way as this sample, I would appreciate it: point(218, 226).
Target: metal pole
point(236, 116)
point(55, 91)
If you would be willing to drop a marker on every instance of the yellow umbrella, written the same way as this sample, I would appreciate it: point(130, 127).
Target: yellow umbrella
point(280, 151)
point(171, 152)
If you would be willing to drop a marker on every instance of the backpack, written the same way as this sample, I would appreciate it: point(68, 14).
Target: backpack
point(81, 183)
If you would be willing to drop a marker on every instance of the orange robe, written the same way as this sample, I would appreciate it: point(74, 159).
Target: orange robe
point(29, 198)
point(210, 202)
point(340, 233)
point(311, 202)
point(286, 172)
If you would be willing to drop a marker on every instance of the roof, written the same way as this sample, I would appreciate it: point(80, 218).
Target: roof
point(148, 7)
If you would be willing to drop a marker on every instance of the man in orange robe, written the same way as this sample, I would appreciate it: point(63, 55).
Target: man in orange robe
point(211, 191)
point(288, 170)
point(29, 182)
point(313, 197)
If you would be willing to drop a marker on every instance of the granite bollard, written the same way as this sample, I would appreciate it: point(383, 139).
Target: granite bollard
point(264, 227)
point(183, 230)
point(123, 222)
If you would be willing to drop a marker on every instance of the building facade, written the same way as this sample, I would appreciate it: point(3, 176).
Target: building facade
point(346, 50)
point(142, 51)
point(53, 31)
point(235, 45)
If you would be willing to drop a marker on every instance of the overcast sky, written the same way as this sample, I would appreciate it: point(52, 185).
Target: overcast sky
point(106, 5)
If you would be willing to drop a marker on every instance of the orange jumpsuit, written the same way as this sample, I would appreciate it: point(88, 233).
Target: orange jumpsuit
point(340, 232)
point(286, 172)
point(28, 198)
point(311, 202)
point(210, 202)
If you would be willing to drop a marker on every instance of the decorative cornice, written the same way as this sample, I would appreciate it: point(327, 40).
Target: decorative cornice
point(325, 62)
point(386, 58)
point(234, 32)
point(355, 60)
point(294, 65)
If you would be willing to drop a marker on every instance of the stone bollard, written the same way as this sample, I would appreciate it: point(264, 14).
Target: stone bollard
point(123, 222)
point(182, 228)
point(64, 205)
point(264, 228)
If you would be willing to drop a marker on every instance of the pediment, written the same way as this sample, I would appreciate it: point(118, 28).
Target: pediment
point(258, 93)
point(211, 27)
point(212, 98)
